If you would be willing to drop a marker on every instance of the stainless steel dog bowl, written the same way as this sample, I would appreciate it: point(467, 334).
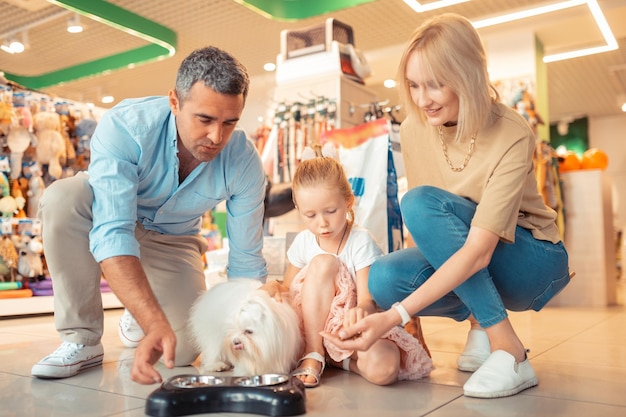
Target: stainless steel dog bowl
point(269, 394)
point(195, 381)
point(261, 380)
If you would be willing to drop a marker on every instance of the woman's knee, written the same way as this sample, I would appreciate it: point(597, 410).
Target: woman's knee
point(380, 278)
point(396, 275)
point(417, 199)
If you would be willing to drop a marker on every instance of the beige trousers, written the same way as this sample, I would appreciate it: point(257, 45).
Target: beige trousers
point(173, 265)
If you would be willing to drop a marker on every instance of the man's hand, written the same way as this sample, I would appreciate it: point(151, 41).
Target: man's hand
point(159, 341)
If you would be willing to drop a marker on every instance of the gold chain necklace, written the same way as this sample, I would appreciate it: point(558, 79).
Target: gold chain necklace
point(445, 152)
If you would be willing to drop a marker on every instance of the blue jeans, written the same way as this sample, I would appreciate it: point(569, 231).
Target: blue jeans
point(521, 276)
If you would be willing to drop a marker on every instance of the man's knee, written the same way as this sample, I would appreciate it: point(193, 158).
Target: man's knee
point(65, 194)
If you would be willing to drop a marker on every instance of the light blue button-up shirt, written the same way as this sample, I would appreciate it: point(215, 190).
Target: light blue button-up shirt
point(134, 176)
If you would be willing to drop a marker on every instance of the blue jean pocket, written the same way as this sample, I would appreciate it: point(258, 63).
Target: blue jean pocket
point(550, 292)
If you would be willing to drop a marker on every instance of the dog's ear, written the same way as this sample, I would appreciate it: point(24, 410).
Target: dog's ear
point(253, 310)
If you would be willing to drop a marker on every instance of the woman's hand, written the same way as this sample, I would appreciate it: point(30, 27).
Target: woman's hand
point(364, 332)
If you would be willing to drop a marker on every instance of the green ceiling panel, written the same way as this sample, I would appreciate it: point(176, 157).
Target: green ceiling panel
point(298, 9)
point(163, 44)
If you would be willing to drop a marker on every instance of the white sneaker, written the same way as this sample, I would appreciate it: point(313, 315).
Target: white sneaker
point(500, 376)
point(477, 350)
point(129, 330)
point(68, 360)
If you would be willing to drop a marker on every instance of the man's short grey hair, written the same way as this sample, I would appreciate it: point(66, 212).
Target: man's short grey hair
point(216, 68)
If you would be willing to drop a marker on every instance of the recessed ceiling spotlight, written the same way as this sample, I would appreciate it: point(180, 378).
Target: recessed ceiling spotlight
point(6, 47)
point(269, 67)
point(16, 46)
point(73, 24)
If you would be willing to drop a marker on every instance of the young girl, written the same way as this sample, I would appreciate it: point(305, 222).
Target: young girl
point(326, 276)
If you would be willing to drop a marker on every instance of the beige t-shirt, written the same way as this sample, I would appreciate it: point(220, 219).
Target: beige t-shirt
point(499, 176)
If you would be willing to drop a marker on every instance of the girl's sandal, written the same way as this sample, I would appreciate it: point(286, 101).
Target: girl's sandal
point(344, 364)
point(309, 371)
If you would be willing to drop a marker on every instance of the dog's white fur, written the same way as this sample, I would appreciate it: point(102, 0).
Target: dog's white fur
point(237, 326)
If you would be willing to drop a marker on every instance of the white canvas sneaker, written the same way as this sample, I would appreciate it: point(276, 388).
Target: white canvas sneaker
point(68, 360)
point(477, 350)
point(129, 330)
point(500, 376)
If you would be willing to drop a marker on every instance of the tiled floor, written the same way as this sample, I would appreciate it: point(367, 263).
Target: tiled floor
point(579, 355)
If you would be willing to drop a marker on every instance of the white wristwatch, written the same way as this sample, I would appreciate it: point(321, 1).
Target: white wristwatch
point(406, 317)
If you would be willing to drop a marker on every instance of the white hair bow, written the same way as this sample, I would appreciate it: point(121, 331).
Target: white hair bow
point(328, 150)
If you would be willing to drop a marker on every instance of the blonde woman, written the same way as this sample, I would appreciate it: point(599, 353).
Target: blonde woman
point(485, 241)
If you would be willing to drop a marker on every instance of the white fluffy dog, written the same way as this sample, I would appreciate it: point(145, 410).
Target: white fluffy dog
point(237, 326)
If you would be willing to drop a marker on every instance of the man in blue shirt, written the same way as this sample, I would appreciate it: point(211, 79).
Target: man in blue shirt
point(157, 165)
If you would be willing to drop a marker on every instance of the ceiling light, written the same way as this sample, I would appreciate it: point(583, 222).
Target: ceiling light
point(420, 8)
point(389, 83)
point(607, 34)
point(269, 67)
point(624, 107)
point(16, 46)
point(73, 24)
point(611, 43)
point(6, 47)
point(523, 14)
point(107, 99)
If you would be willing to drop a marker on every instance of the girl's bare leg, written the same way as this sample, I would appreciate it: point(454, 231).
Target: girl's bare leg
point(318, 291)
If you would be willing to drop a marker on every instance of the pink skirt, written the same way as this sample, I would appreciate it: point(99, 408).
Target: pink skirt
point(415, 362)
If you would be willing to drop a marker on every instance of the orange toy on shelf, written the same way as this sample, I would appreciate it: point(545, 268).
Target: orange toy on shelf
point(594, 158)
point(569, 161)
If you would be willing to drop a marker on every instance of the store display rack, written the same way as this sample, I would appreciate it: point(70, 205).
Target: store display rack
point(44, 305)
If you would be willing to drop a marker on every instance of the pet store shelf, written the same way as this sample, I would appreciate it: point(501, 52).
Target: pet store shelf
point(44, 305)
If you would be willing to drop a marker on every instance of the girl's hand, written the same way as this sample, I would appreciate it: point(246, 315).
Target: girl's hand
point(353, 315)
point(273, 288)
point(365, 332)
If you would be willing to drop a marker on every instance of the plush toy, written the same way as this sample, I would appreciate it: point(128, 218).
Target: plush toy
point(19, 135)
point(8, 259)
point(5, 186)
point(524, 103)
point(19, 140)
point(8, 206)
point(35, 190)
point(30, 254)
point(84, 131)
point(20, 201)
point(7, 115)
point(68, 127)
point(50, 142)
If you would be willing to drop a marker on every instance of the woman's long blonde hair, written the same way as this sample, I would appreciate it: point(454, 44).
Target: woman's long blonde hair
point(323, 171)
point(453, 56)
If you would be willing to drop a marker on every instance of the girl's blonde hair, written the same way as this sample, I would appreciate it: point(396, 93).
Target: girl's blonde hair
point(323, 171)
point(453, 55)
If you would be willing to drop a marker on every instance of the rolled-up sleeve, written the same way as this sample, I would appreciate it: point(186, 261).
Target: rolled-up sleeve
point(245, 208)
